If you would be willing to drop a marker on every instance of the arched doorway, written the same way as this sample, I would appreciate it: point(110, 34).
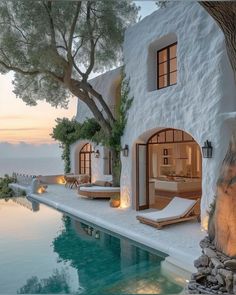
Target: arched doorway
point(85, 159)
point(168, 165)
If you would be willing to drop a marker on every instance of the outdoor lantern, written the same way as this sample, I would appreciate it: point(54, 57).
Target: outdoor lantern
point(97, 154)
point(207, 149)
point(125, 151)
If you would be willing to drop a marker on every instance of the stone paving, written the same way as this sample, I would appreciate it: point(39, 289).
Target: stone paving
point(180, 241)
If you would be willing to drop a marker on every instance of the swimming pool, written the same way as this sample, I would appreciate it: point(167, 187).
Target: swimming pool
point(44, 251)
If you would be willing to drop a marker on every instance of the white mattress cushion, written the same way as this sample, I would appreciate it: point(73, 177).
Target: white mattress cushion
point(177, 208)
point(99, 189)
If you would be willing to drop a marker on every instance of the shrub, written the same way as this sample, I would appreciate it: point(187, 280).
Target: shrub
point(5, 190)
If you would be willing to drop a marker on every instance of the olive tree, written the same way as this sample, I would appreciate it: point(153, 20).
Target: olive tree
point(54, 46)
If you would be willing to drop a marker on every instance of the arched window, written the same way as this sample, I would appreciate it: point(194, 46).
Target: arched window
point(85, 159)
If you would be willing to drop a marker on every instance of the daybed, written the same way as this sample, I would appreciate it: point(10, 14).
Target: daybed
point(178, 210)
point(98, 189)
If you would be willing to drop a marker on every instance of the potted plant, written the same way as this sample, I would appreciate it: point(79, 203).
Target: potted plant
point(115, 201)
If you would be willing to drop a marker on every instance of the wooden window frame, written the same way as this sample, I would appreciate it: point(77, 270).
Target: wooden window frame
point(154, 138)
point(107, 162)
point(84, 160)
point(110, 163)
point(168, 66)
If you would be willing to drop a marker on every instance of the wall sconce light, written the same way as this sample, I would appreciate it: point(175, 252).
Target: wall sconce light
point(207, 149)
point(125, 151)
point(96, 154)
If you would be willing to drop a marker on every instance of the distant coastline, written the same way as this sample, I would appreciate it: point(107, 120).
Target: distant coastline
point(31, 165)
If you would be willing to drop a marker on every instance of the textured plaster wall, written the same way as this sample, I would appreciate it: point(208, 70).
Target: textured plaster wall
point(97, 164)
point(202, 103)
point(105, 84)
point(201, 100)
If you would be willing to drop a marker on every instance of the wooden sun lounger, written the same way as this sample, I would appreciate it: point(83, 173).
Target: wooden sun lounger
point(192, 214)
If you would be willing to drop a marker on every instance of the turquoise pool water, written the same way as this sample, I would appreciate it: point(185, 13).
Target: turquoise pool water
point(43, 251)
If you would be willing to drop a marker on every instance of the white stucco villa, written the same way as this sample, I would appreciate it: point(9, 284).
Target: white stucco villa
point(184, 95)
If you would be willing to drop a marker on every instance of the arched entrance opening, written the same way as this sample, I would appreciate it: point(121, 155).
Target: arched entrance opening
point(85, 159)
point(168, 165)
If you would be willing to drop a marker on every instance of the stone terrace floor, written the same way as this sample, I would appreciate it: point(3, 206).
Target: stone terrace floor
point(180, 241)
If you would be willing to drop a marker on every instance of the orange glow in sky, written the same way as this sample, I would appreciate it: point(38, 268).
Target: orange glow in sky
point(19, 122)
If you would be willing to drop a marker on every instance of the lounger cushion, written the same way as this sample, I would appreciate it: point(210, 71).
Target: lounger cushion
point(177, 208)
point(99, 189)
point(102, 183)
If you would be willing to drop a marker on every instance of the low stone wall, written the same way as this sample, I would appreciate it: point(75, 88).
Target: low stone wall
point(19, 188)
point(23, 179)
point(52, 179)
point(216, 272)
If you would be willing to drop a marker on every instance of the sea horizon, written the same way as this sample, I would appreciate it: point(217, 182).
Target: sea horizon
point(31, 165)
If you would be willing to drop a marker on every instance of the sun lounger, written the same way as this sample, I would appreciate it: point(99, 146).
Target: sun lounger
point(95, 191)
point(178, 210)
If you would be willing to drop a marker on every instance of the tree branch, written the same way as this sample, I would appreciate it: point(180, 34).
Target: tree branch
point(18, 70)
point(63, 38)
point(92, 43)
point(77, 68)
point(48, 7)
point(76, 89)
point(101, 100)
point(73, 26)
point(31, 73)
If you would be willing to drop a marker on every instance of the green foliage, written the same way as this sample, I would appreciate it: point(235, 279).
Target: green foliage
point(36, 43)
point(66, 158)
point(120, 123)
point(5, 190)
point(69, 131)
point(89, 129)
point(57, 283)
point(66, 131)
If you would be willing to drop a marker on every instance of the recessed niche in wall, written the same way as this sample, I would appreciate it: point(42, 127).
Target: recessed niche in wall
point(152, 58)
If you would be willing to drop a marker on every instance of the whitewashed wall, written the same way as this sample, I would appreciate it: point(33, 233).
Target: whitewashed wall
point(105, 84)
point(202, 103)
point(97, 164)
point(198, 104)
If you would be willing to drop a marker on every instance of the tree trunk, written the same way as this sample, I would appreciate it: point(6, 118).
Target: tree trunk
point(105, 125)
point(224, 13)
point(116, 167)
point(222, 229)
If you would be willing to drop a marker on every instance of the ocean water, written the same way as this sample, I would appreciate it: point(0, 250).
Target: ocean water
point(31, 166)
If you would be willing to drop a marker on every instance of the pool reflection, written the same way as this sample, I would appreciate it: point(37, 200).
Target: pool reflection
point(43, 251)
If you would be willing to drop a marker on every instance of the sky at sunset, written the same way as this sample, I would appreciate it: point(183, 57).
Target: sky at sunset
point(19, 122)
point(22, 123)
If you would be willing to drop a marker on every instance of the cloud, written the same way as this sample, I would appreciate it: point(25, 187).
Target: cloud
point(12, 117)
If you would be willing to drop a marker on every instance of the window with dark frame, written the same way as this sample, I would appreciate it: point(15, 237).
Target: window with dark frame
point(167, 66)
point(85, 159)
point(107, 162)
